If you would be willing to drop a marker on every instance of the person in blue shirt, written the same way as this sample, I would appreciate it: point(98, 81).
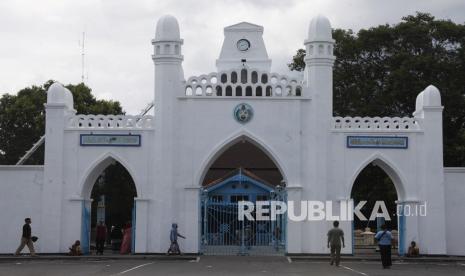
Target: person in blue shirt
point(384, 238)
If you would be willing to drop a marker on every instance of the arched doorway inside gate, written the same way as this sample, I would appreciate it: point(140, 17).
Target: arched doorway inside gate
point(375, 185)
point(110, 201)
point(242, 171)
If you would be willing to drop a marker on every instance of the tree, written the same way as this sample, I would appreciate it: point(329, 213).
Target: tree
point(379, 72)
point(22, 118)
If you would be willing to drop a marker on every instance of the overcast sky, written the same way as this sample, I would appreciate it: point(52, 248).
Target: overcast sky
point(40, 40)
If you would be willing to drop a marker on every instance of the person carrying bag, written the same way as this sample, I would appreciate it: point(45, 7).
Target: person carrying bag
point(384, 238)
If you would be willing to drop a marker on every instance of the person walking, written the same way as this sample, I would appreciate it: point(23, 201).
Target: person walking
point(26, 238)
point(335, 236)
point(384, 238)
point(174, 247)
point(101, 236)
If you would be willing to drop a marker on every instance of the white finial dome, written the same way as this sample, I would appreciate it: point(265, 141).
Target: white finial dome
point(167, 29)
point(320, 29)
point(419, 101)
point(69, 101)
point(432, 97)
point(58, 94)
point(428, 97)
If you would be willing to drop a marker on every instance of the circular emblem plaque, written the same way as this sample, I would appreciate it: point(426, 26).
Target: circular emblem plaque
point(243, 113)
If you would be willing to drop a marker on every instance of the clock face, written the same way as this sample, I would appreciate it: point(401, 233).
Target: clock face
point(243, 45)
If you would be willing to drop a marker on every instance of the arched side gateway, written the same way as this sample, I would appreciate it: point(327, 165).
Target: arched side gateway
point(241, 170)
point(96, 178)
point(374, 180)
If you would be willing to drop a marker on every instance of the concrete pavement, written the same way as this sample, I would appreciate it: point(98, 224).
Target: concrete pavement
point(224, 265)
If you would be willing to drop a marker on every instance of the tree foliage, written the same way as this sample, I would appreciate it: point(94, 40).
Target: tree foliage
point(379, 72)
point(22, 118)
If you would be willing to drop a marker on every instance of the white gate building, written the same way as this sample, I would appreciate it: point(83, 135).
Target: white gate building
point(198, 118)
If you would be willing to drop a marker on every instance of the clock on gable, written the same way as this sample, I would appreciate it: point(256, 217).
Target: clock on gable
point(243, 45)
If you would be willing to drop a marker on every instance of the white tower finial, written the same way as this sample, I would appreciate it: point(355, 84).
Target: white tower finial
point(319, 61)
point(167, 29)
point(319, 44)
point(167, 42)
point(320, 29)
point(167, 56)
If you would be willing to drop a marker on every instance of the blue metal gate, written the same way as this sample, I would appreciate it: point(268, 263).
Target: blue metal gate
point(85, 227)
point(133, 229)
point(222, 233)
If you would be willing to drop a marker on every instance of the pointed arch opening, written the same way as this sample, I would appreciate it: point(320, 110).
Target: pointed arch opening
point(241, 170)
point(108, 210)
point(378, 184)
point(233, 153)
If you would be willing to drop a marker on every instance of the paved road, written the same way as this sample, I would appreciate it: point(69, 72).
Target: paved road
point(222, 266)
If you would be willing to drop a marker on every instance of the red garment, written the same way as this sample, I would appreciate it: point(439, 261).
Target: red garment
point(101, 232)
point(126, 244)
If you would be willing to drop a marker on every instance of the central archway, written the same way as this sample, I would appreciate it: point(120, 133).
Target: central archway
point(242, 170)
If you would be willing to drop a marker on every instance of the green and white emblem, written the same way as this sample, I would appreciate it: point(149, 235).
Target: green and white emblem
point(243, 113)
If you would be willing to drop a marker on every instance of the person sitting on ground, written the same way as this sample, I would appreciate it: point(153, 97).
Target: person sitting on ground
point(75, 249)
point(413, 250)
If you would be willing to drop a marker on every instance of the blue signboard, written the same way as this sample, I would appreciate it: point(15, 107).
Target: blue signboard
point(110, 140)
point(386, 142)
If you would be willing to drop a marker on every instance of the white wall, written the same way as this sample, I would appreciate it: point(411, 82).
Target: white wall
point(20, 197)
point(455, 206)
point(189, 132)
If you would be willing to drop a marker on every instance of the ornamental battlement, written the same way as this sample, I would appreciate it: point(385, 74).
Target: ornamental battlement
point(110, 122)
point(243, 82)
point(376, 123)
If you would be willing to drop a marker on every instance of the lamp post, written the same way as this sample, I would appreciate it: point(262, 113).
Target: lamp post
point(204, 200)
point(277, 224)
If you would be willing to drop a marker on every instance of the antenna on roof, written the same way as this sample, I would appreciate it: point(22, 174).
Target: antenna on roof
point(82, 55)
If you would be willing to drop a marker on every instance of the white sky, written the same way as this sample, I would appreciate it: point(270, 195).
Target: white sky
point(39, 40)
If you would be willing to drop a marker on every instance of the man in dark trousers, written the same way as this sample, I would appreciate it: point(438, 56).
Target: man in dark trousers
point(384, 238)
point(101, 236)
point(335, 236)
point(26, 238)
